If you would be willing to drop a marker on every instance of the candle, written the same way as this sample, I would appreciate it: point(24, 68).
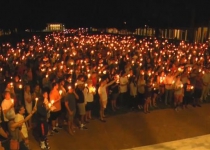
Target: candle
point(52, 102)
point(36, 99)
point(69, 87)
point(181, 86)
point(49, 105)
point(93, 89)
point(192, 87)
point(20, 86)
point(60, 92)
point(12, 100)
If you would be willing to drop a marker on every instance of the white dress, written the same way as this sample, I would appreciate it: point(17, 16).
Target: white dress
point(27, 104)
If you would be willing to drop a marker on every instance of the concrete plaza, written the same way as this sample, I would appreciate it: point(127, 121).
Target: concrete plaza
point(134, 130)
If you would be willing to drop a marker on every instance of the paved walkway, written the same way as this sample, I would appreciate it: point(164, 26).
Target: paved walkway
point(196, 143)
point(136, 129)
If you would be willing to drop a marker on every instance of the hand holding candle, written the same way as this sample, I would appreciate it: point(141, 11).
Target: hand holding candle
point(36, 99)
point(60, 92)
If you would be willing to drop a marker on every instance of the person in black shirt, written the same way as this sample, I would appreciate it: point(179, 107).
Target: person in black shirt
point(114, 92)
point(42, 125)
point(188, 88)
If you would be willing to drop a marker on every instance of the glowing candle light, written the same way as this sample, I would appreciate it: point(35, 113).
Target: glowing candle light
point(36, 99)
point(49, 105)
point(60, 92)
point(52, 102)
point(20, 86)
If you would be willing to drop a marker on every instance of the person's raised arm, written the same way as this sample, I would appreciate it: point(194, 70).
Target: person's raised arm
point(17, 124)
point(112, 82)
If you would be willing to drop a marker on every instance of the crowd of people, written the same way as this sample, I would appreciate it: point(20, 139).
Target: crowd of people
point(60, 79)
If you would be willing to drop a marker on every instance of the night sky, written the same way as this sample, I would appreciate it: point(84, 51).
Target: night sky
point(103, 13)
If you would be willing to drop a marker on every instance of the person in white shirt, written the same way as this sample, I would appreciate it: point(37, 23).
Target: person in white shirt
point(20, 111)
point(123, 88)
point(178, 92)
point(169, 81)
point(8, 106)
point(133, 92)
point(102, 91)
point(89, 92)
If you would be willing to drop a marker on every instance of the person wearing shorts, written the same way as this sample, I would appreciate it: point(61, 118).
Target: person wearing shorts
point(89, 92)
point(103, 97)
point(70, 104)
point(81, 103)
point(55, 100)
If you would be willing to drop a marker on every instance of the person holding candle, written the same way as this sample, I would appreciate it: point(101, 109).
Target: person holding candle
point(62, 92)
point(178, 92)
point(123, 89)
point(148, 95)
point(102, 91)
point(206, 82)
point(133, 93)
point(17, 138)
point(43, 109)
point(81, 103)
point(198, 87)
point(169, 81)
point(18, 88)
point(28, 103)
point(7, 108)
point(20, 111)
point(10, 88)
point(89, 92)
point(70, 104)
point(141, 91)
point(188, 89)
point(114, 93)
point(55, 99)
point(155, 90)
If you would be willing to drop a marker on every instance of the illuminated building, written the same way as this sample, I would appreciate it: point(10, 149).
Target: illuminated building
point(51, 27)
